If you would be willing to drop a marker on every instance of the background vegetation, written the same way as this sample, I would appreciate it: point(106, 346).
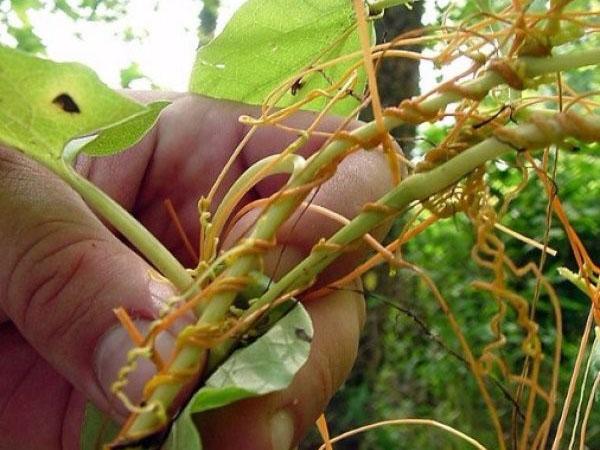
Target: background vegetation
point(410, 364)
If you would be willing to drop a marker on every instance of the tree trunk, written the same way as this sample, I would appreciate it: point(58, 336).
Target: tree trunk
point(398, 78)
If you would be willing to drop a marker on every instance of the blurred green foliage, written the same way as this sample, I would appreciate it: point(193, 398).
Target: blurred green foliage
point(24, 33)
point(130, 74)
point(208, 21)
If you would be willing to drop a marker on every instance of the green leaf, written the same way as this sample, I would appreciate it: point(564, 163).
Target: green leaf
point(124, 134)
point(267, 41)
point(130, 74)
point(21, 8)
point(98, 428)
point(46, 104)
point(63, 5)
point(27, 40)
point(267, 365)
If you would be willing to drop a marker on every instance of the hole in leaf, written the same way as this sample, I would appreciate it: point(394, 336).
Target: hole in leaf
point(66, 103)
point(303, 335)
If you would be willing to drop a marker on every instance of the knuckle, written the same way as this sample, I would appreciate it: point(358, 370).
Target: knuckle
point(45, 279)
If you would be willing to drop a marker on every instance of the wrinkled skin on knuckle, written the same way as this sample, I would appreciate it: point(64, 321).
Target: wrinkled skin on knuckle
point(49, 240)
point(46, 272)
point(34, 217)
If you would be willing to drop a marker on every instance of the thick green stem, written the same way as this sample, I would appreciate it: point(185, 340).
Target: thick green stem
point(545, 130)
point(414, 188)
point(417, 187)
point(131, 229)
point(421, 186)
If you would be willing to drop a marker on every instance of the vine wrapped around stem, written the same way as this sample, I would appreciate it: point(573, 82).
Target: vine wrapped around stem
point(543, 130)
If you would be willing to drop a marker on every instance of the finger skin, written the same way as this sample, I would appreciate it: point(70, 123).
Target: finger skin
point(39, 409)
point(197, 132)
point(63, 272)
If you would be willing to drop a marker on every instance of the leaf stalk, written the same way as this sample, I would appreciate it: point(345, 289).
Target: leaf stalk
point(130, 228)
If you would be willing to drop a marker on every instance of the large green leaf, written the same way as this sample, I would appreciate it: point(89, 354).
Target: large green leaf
point(268, 365)
point(46, 104)
point(267, 41)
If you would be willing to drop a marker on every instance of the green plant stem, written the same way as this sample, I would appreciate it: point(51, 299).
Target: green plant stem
point(271, 165)
point(416, 187)
point(131, 229)
point(279, 210)
point(528, 67)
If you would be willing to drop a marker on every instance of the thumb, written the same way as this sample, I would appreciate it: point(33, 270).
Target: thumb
point(278, 421)
point(62, 275)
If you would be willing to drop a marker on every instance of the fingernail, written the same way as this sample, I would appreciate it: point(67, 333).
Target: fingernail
point(111, 356)
point(282, 430)
point(161, 291)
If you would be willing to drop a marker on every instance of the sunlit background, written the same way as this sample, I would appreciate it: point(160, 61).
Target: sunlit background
point(154, 38)
point(140, 44)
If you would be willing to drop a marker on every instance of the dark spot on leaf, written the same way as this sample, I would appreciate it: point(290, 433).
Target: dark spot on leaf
point(303, 335)
point(66, 103)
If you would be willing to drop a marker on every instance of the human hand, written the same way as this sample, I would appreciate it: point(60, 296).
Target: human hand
point(63, 272)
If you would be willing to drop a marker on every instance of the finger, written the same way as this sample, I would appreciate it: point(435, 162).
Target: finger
point(33, 397)
point(63, 273)
point(40, 409)
point(194, 139)
point(121, 175)
point(278, 421)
